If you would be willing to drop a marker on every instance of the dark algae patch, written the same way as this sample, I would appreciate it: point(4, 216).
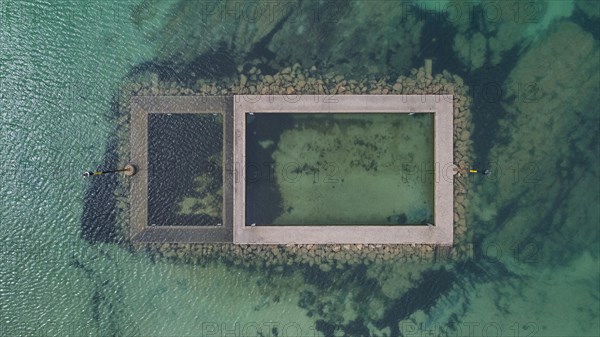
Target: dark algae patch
point(328, 293)
point(98, 219)
point(423, 296)
point(485, 83)
point(263, 199)
point(216, 64)
point(109, 315)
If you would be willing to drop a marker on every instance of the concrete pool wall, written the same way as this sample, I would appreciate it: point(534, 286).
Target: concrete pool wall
point(140, 228)
point(234, 229)
point(438, 233)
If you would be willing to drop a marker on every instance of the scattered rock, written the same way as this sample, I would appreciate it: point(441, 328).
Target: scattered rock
point(294, 80)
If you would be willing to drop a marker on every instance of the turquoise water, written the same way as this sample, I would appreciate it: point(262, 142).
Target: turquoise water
point(534, 270)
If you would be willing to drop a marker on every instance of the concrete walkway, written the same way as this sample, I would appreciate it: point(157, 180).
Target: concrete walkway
point(234, 227)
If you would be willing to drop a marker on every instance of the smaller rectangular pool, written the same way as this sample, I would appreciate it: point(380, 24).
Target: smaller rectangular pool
point(182, 147)
point(185, 175)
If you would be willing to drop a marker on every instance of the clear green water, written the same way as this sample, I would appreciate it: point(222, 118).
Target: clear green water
point(324, 167)
point(535, 267)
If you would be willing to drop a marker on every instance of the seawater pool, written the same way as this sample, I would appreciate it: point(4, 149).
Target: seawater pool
point(339, 168)
point(185, 179)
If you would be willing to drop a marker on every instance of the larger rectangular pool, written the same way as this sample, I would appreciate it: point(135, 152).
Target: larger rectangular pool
point(339, 169)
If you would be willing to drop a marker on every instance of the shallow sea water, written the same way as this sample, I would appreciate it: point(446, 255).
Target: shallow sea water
point(535, 269)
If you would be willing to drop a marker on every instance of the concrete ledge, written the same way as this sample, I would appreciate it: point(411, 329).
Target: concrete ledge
point(234, 158)
point(441, 233)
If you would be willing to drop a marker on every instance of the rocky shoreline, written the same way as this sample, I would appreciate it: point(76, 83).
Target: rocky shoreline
point(296, 80)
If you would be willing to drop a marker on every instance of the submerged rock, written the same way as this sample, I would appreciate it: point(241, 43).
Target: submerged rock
point(327, 257)
point(590, 8)
point(338, 34)
point(552, 131)
point(197, 27)
point(471, 51)
point(487, 30)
